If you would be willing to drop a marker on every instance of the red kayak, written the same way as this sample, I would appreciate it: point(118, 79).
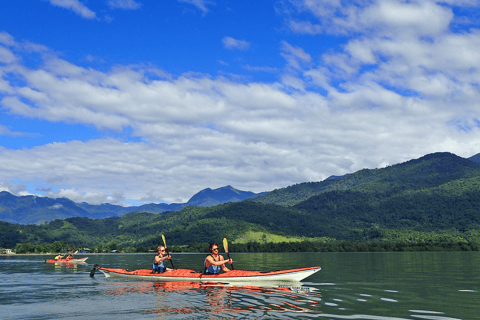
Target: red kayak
point(292, 275)
point(67, 260)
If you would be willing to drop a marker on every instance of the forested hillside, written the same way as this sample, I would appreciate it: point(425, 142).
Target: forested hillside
point(427, 172)
point(432, 201)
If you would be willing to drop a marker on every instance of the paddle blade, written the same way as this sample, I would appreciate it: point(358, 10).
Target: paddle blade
point(164, 242)
point(92, 272)
point(225, 244)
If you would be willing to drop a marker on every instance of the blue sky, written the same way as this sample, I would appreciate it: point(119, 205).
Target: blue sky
point(127, 102)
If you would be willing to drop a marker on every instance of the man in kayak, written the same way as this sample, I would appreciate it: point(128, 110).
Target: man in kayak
point(158, 265)
point(214, 262)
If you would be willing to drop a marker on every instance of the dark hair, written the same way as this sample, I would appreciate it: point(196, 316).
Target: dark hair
point(211, 245)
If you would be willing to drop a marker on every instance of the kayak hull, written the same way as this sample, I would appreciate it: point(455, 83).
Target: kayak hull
point(291, 275)
point(81, 260)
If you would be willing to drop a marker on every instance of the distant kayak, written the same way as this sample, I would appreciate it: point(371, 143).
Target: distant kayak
point(292, 275)
point(67, 260)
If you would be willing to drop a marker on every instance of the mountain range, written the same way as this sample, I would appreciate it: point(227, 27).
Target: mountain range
point(432, 199)
point(38, 210)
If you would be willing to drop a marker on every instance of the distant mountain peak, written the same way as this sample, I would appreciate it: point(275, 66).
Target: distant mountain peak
point(208, 197)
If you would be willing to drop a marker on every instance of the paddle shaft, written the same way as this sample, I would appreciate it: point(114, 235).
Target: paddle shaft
point(168, 253)
point(225, 246)
point(232, 260)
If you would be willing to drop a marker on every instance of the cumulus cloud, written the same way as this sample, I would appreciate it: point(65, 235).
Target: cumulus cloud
point(76, 6)
point(382, 17)
point(396, 89)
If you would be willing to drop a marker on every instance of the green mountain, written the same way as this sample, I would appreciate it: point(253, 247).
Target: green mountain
point(433, 198)
point(475, 158)
point(208, 197)
point(429, 171)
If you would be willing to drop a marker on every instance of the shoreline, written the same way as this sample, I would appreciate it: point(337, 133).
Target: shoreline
point(89, 254)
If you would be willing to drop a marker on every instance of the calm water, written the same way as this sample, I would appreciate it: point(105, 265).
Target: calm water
point(380, 286)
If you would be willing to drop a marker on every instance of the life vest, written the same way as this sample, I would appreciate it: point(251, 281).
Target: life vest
point(158, 267)
point(212, 269)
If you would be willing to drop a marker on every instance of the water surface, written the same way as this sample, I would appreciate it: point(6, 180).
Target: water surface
point(380, 286)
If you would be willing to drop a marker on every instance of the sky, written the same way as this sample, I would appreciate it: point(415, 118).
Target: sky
point(136, 101)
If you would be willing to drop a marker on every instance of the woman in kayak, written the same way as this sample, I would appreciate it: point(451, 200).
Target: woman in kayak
point(158, 265)
point(214, 262)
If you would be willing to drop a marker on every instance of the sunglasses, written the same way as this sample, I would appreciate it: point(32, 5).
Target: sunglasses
point(213, 249)
point(161, 250)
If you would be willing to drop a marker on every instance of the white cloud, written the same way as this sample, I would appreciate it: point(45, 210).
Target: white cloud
point(295, 56)
point(231, 43)
point(6, 55)
point(76, 6)
point(6, 131)
point(199, 4)
point(124, 4)
point(261, 69)
point(421, 18)
point(6, 39)
point(88, 197)
point(389, 17)
point(397, 89)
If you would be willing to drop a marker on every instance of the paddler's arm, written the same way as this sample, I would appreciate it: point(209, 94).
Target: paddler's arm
point(224, 267)
point(160, 259)
point(220, 263)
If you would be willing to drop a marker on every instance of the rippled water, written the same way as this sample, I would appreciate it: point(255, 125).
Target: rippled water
point(380, 286)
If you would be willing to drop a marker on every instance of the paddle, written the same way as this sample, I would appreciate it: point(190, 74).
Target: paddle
point(168, 253)
point(92, 272)
point(225, 246)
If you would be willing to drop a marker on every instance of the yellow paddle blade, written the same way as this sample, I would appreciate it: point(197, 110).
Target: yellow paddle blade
point(164, 242)
point(225, 244)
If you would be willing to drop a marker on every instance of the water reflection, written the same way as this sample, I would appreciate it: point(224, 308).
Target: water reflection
point(218, 300)
point(67, 267)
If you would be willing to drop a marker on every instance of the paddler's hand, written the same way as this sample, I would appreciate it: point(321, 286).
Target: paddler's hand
point(230, 261)
point(169, 257)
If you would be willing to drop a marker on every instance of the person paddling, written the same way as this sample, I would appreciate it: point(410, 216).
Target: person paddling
point(158, 265)
point(214, 262)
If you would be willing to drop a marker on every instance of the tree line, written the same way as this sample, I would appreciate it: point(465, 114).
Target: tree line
point(251, 247)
